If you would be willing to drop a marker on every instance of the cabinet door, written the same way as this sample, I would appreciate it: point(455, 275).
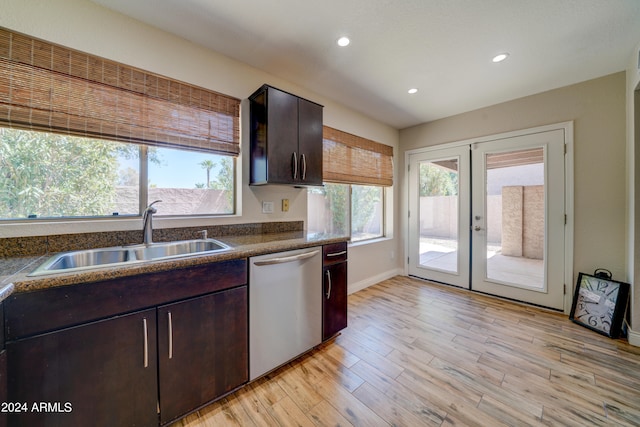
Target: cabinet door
point(282, 137)
point(334, 299)
point(310, 142)
point(202, 350)
point(99, 374)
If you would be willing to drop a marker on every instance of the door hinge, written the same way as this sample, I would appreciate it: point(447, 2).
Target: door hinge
point(564, 289)
point(565, 219)
point(407, 260)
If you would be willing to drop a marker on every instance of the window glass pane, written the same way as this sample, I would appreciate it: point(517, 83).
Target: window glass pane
point(45, 175)
point(366, 212)
point(190, 182)
point(328, 209)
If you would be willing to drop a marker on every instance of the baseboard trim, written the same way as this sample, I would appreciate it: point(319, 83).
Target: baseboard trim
point(370, 281)
point(634, 337)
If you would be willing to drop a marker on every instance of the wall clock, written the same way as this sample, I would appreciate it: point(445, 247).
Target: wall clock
point(599, 304)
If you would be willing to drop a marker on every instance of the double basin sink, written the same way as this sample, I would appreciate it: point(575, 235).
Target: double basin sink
point(122, 255)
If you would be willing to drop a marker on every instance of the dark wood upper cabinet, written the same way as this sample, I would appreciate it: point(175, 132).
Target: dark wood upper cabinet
point(286, 139)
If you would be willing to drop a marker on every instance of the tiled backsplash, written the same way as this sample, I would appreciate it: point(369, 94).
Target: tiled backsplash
point(41, 245)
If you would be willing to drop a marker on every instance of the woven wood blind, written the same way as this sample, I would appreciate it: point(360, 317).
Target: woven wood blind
point(515, 158)
point(350, 159)
point(51, 88)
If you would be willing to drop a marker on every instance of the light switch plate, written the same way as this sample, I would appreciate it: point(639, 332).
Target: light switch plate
point(267, 207)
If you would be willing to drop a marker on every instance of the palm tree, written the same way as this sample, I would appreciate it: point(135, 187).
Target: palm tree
point(208, 165)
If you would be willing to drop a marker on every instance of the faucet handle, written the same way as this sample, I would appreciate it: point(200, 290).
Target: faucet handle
point(202, 234)
point(152, 209)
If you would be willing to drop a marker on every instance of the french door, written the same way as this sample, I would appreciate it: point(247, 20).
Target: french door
point(490, 216)
point(439, 210)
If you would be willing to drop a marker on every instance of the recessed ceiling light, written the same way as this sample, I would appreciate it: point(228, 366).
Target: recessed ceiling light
point(343, 41)
point(412, 90)
point(500, 57)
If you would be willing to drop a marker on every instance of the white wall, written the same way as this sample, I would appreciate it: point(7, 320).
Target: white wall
point(633, 191)
point(87, 27)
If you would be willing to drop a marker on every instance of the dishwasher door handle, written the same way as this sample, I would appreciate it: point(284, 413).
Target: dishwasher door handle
point(286, 259)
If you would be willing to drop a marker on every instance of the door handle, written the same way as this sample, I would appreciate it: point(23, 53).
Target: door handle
point(336, 254)
point(170, 319)
point(477, 228)
point(329, 282)
point(303, 167)
point(145, 348)
point(294, 164)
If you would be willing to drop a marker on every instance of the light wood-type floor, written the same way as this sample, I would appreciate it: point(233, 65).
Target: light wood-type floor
point(418, 354)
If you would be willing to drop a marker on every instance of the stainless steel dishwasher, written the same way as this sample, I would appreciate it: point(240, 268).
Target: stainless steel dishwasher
point(285, 307)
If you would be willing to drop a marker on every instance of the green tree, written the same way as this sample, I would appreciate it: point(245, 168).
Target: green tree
point(337, 199)
point(208, 165)
point(363, 204)
point(224, 180)
point(47, 175)
point(437, 181)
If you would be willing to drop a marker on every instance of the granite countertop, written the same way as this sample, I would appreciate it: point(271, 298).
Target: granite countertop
point(14, 272)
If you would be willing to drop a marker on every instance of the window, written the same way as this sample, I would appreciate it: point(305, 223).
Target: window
point(343, 209)
point(84, 136)
point(191, 182)
point(47, 175)
point(355, 171)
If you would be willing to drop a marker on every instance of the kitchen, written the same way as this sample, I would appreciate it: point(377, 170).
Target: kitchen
point(600, 233)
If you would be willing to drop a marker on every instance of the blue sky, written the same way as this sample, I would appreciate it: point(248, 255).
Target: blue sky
point(178, 169)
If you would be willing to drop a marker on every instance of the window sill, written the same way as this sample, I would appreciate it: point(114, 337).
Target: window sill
point(370, 241)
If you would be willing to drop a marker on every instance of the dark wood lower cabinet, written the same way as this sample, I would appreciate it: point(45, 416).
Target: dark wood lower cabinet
point(334, 289)
point(98, 374)
point(202, 350)
point(334, 308)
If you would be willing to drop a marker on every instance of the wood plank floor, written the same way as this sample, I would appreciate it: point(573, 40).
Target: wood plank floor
point(416, 354)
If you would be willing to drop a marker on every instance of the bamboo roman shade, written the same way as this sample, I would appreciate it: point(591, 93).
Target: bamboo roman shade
point(350, 159)
point(51, 88)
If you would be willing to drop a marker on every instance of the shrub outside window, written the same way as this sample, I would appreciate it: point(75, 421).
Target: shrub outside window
point(45, 175)
point(343, 209)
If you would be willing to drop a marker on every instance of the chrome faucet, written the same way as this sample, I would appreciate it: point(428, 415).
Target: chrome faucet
point(147, 223)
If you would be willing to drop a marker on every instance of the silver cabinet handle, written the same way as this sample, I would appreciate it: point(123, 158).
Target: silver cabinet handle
point(337, 254)
point(286, 259)
point(329, 281)
point(303, 167)
point(145, 348)
point(170, 335)
point(294, 164)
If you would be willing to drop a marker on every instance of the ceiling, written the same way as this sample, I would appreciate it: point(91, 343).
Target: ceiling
point(442, 47)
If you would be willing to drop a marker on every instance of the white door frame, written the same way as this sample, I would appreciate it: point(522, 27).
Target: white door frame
point(567, 127)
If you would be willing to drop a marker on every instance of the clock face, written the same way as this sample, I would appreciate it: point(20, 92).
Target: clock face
point(596, 302)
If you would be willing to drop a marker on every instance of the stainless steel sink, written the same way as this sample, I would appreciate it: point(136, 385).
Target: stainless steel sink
point(122, 255)
point(177, 249)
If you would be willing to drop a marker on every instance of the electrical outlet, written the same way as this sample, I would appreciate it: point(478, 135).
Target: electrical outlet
point(285, 205)
point(267, 207)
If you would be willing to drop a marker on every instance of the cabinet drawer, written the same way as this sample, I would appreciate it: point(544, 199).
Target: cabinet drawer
point(42, 311)
point(335, 252)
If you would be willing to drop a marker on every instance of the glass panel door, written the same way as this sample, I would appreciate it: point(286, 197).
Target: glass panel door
point(439, 216)
point(515, 210)
point(518, 218)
